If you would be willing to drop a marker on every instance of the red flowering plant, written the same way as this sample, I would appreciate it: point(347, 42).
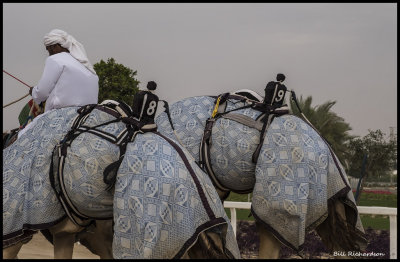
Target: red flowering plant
point(382, 192)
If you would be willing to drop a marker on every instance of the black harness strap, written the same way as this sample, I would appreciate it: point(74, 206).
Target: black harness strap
point(57, 182)
point(110, 172)
point(166, 109)
point(205, 159)
point(269, 113)
point(267, 121)
point(134, 127)
point(10, 137)
point(56, 173)
point(205, 145)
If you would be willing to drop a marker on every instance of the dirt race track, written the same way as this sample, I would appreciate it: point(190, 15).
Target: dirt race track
point(39, 247)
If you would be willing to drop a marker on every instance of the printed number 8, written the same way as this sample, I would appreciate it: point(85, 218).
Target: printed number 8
point(152, 108)
point(279, 95)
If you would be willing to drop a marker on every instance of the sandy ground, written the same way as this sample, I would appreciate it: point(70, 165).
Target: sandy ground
point(39, 247)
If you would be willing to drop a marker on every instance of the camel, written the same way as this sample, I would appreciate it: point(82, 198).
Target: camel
point(295, 177)
point(90, 156)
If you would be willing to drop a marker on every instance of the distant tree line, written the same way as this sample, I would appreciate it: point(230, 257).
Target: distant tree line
point(381, 152)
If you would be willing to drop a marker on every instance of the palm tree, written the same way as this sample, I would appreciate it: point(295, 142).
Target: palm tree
point(331, 126)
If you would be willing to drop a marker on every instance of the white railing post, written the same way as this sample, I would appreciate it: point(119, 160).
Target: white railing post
point(393, 236)
point(232, 207)
point(233, 219)
point(388, 211)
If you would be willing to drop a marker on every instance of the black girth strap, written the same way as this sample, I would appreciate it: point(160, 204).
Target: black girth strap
point(205, 145)
point(269, 113)
point(205, 159)
point(266, 122)
point(56, 174)
point(134, 127)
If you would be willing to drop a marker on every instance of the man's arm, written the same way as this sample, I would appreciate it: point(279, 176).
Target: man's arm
point(50, 76)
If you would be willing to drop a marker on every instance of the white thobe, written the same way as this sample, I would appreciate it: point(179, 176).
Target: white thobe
point(66, 82)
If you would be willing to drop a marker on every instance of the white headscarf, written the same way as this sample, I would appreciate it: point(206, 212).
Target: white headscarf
point(76, 49)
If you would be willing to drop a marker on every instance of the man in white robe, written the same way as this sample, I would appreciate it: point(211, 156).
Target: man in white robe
point(68, 78)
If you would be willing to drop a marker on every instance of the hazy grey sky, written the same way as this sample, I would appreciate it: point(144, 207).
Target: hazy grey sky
point(330, 51)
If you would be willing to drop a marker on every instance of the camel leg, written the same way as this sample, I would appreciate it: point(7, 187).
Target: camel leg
point(209, 245)
point(63, 245)
point(185, 256)
point(324, 231)
point(12, 251)
point(269, 246)
point(98, 238)
point(64, 238)
point(340, 209)
point(222, 194)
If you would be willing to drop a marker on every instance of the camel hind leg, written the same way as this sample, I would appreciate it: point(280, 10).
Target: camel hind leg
point(64, 238)
point(210, 245)
point(12, 251)
point(269, 246)
point(98, 238)
point(63, 245)
point(335, 232)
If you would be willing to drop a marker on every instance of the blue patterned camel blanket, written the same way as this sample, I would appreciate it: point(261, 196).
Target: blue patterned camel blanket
point(295, 174)
point(29, 201)
point(162, 201)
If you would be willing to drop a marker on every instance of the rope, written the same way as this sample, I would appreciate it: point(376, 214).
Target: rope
point(16, 78)
point(216, 108)
point(16, 100)
point(19, 81)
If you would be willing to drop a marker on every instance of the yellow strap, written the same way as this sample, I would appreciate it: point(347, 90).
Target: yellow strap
point(215, 108)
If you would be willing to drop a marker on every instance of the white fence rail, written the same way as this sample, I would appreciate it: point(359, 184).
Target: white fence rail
point(387, 211)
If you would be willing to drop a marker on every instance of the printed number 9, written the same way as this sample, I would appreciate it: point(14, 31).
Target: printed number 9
point(279, 95)
point(152, 108)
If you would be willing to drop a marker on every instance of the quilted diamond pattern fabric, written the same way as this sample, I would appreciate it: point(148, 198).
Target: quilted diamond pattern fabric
point(295, 177)
point(29, 202)
point(162, 201)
